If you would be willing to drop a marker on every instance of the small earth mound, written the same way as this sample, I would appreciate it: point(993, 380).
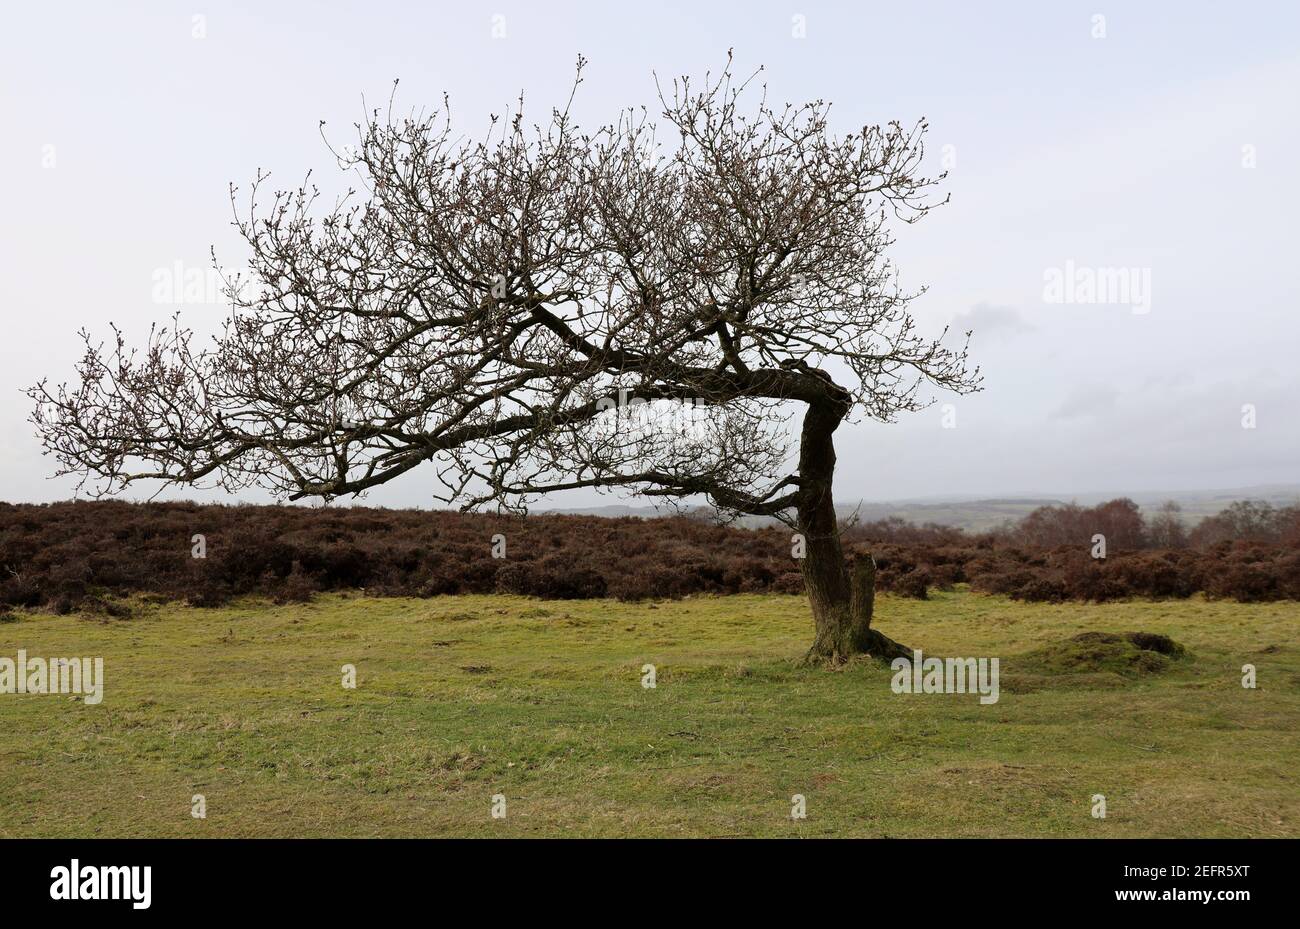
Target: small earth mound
point(1128, 654)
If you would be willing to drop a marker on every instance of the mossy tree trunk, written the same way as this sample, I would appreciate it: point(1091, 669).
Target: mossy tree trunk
point(842, 600)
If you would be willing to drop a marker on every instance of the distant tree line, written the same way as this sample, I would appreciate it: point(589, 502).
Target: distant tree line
point(1120, 520)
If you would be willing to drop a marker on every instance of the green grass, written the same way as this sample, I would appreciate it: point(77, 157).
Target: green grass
point(461, 698)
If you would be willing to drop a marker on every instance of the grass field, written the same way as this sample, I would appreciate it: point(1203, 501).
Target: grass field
point(462, 698)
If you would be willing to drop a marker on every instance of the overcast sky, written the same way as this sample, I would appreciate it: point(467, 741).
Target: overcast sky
point(1160, 155)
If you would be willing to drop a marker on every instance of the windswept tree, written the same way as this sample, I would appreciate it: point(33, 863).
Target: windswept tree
point(547, 309)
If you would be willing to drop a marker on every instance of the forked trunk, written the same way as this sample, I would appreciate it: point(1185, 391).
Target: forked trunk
point(841, 601)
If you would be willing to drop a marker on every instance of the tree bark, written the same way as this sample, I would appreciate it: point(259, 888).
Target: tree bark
point(842, 603)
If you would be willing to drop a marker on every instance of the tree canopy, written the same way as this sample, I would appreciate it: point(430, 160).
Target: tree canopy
point(489, 306)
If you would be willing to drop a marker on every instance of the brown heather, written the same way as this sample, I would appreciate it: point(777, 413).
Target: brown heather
point(85, 555)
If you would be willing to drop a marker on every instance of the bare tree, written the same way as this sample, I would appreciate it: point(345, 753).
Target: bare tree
point(1166, 529)
point(526, 311)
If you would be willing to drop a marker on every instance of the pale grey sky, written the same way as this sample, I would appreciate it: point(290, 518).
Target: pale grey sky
point(1166, 147)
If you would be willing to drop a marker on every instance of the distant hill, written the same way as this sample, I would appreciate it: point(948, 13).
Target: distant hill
point(981, 514)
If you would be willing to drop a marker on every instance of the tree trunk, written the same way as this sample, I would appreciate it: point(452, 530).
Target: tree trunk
point(841, 603)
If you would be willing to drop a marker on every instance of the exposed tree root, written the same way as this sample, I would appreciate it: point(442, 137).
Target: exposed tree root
point(869, 643)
